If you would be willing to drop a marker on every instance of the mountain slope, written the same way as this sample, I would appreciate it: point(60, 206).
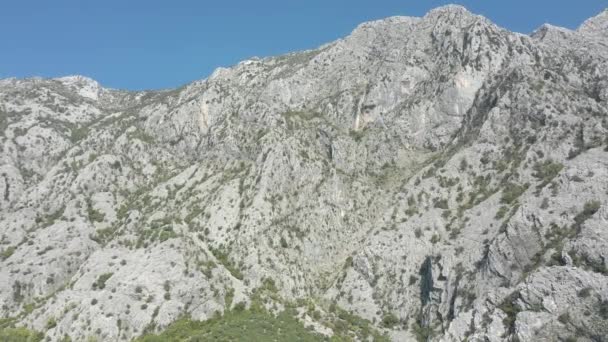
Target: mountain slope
point(440, 177)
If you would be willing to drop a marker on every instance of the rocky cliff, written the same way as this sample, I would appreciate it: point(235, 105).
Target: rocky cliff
point(440, 178)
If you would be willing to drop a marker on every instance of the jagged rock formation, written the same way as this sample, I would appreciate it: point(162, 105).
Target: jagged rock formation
point(440, 176)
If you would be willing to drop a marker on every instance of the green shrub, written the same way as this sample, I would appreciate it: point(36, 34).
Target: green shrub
point(422, 333)
point(269, 285)
point(103, 236)
point(441, 204)
point(511, 309)
point(564, 318)
point(51, 323)
point(502, 211)
point(589, 209)
point(512, 192)
point(223, 258)
point(94, 214)
point(545, 203)
point(603, 309)
point(585, 292)
point(228, 297)
point(78, 133)
point(389, 320)
point(5, 254)
point(545, 172)
point(100, 283)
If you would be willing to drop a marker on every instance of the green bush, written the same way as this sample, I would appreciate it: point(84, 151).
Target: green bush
point(422, 333)
point(228, 297)
point(224, 259)
point(390, 320)
point(51, 323)
point(78, 133)
point(511, 309)
point(585, 292)
point(603, 309)
point(589, 209)
point(441, 204)
point(283, 242)
point(564, 318)
point(100, 283)
point(94, 214)
point(512, 192)
point(5, 254)
point(502, 212)
point(545, 172)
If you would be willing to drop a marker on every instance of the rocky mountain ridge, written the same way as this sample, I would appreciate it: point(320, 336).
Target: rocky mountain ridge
point(440, 177)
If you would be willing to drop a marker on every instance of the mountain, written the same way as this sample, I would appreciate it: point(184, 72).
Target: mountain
point(436, 178)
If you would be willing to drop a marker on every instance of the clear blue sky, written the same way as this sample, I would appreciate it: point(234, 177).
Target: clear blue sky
point(150, 44)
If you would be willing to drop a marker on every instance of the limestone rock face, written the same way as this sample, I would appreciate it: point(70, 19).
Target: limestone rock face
point(439, 171)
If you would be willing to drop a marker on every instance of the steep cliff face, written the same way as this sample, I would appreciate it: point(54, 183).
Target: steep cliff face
point(441, 177)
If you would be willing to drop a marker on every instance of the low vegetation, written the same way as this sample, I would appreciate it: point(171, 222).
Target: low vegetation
point(546, 171)
point(237, 325)
point(20, 335)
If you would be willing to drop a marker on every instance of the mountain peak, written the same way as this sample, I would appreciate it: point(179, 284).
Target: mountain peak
point(450, 8)
point(84, 86)
point(452, 15)
point(597, 25)
point(76, 79)
point(546, 31)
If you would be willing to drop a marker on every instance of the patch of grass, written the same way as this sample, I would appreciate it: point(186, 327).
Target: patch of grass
point(237, 325)
point(20, 335)
point(6, 253)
